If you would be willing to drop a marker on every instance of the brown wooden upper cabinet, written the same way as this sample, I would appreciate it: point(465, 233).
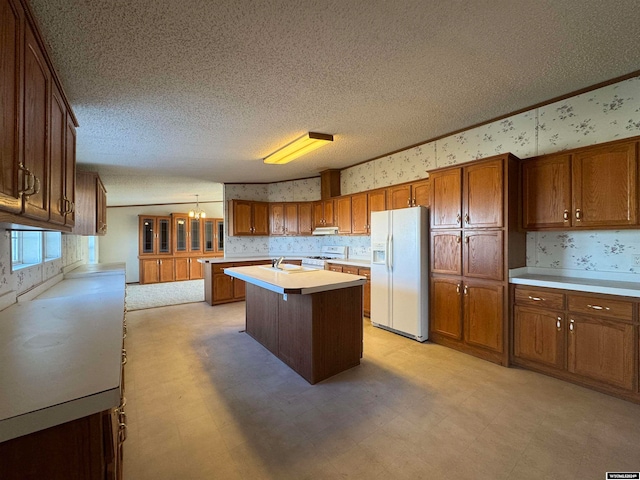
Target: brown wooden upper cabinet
point(154, 235)
point(469, 196)
point(362, 204)
point(187, 234)
point(343, 214)
point(91, 205)
point(283, 219)
point(323, 213)
point(213, 236)
point(37, 131)
point(248, 218)
point(591, 187)
point(408, 195)
point(305, 218)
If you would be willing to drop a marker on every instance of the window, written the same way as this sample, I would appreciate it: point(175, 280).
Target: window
point(30, 248)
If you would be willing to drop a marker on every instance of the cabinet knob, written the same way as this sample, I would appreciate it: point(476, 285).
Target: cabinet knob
point(466, 290)
point(571, 327)
point(458, 289)
point(565, 215)
point(559, 324)
point(578, 214)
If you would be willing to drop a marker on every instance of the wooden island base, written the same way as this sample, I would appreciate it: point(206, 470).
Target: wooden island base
point(318, 335)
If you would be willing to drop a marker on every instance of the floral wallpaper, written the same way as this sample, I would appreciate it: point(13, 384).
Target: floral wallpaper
point(602, 115)
point(74, 249)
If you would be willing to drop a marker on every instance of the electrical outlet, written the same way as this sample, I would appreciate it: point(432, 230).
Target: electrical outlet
point(636, 260)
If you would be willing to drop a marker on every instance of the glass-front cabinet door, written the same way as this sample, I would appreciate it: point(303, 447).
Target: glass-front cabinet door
point(209, 236)
point(220, 235)
point(147, 235)
point(164, 235)
point(181, 232)
point(194, 235)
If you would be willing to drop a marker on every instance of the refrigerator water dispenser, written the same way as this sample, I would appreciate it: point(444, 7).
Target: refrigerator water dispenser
point(378, 253)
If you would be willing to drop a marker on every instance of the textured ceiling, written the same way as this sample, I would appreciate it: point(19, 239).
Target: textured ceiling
point(205, 89)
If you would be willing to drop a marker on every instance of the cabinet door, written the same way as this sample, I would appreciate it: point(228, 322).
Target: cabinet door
point(70, 172)
point(239, 288)
point(209, 234)
point(220, 236)
point(305, 218)
point(399, 197)
point(276, 218)
point(318, 214)
point(420, 192)
point(483, 315)
point(260, 218)
point(37, 88)
point(603, 350)
point(446, 199)
point(366, 272)
point(102, 207)
point(180, 233)
point(195, 269)
point(359, 214)
point(446, 252)
point(163, 234)
point(329, 213)
point(195, 235)
point(376, 202)
point(181, 268)
point(546, 192)
point(446, 307)
point(482, 254)
point(343, 207)
point(242, 217)
point(291, 219)
point(604, 186)
point(539, 336)
point(222, 288)
point(147, 235)
point(484, 194)
point(149, 271)
point(11, 79)
point(166, 269)
point(57, 133)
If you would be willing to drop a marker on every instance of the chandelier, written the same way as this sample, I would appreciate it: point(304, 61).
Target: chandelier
point(198, 212)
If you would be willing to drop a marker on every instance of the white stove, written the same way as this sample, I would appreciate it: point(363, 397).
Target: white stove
point(328, 253)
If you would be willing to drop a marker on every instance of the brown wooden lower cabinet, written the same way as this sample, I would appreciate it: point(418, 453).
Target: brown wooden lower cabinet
point(589, 339)
point(468, 315)
point(89, 448)
point(363, 271)
point(169, 268)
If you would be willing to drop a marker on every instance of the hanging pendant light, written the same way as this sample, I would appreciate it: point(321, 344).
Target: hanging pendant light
point(197, 213)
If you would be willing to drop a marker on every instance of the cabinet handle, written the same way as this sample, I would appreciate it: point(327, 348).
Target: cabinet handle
point(536, 299)
point(30, 182)
point(458, 289)
point(466, 290)
point(458, 240)
point(414, 202)
point(559, 324)
point(578, 214)
point(565, 215)
point(124, 356)
point(458, 218)
point(466, 218)
point(598, 307)
point(160, 262)
point(122, 433)
point(408, 202)
point(571, 327)
point(466, 239)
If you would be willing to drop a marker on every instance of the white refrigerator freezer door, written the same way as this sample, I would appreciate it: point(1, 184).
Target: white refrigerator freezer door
point(380, 275)
point(406, 272)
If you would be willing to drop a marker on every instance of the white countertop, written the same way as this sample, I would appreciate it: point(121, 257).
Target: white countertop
point(266, 258)
point(580, 284)
point(297, 283)
point(60, 354)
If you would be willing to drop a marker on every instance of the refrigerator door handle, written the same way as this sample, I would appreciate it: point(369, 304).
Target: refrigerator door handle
point(390, 252)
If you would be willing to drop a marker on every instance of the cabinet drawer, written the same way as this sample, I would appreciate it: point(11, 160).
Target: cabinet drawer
point(334, 268)
point(365, 272)
point(540, 298)
point(349, 269)
point(602, 307)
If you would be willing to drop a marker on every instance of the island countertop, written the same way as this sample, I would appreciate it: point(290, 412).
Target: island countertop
point(304, 283)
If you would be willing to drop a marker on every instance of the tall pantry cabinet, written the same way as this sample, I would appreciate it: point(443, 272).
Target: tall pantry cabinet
point(474, 242)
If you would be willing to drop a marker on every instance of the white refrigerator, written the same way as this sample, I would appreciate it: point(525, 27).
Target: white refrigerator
point(399, 271)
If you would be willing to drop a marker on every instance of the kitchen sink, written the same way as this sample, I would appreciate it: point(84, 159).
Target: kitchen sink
point(288, 268)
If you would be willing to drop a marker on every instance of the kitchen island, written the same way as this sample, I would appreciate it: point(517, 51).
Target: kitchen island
point(309, 319)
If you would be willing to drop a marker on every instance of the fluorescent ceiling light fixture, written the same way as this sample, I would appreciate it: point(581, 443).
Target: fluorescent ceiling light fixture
point(299, 147)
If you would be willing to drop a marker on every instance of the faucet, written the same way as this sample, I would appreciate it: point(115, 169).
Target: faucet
point(276, 263)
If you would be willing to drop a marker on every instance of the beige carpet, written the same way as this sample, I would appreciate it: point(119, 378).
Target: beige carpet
point(154, 295)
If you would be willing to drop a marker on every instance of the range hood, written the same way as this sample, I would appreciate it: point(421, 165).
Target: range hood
point(325, 231)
